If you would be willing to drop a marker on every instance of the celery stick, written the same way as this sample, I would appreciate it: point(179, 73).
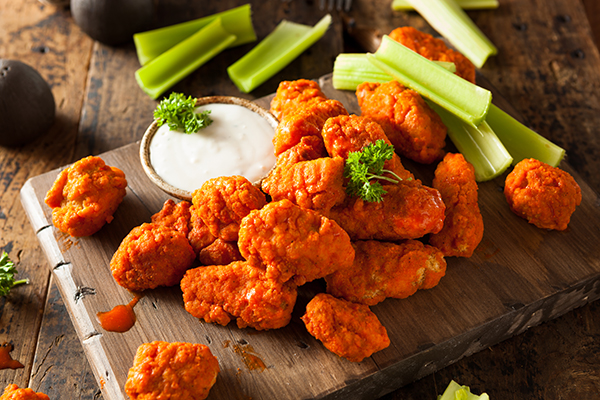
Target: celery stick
point(287, 41)
point(151, 44)
point(182, 59)
point(450, 21)
point(432, 81)
point(454, 391)
point(352, 69)
point(480, 146)
point(522, 142)
point(404, 5)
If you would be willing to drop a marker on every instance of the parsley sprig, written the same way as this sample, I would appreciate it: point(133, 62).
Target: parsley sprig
point(7, 275)
point(178, 112)
point(362, 167)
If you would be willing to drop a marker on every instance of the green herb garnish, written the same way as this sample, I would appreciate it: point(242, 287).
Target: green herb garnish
point(178, 112)
point(366, 165)
point(7, 273)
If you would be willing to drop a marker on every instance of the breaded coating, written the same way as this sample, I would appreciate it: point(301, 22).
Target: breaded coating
point(151, 255)
point(14, 392)
point(345, 134)
point(199, 234)
point(174, 215)
point(293, 94)
point(305, 121)
point(85, 196)
point(171, 371)
point(347, 329)
point(434, 49)
point(315, 184)
point(223, 201)
point(240, 291)
point(544, 195)
point(463, 226)
point(294, 243)
point(219, 252)
point(409, 210)
point(386, 269)
point(416, 131)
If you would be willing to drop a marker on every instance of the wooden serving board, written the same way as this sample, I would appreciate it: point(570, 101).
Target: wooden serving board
point(519, 276)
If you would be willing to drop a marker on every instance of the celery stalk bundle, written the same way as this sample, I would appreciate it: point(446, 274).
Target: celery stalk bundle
point(491, 140)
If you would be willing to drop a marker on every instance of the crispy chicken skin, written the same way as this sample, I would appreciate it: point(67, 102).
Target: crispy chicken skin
point(347, 329)
point(463, 226)
point(171, 371)
point(409, 210)
point(415, 130)
point(305, 121)
point(151, 255)
point(174, 215)
point(240, 291)
point(291, 95)
point(544, 195)
point(222, 202)
point(434, 49)
point(14, 392)
point(294, 243)
point(315, 184)
point(386, 269)
point(350, 133)
point(85, 196)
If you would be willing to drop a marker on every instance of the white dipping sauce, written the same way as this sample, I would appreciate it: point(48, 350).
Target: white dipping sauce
point(238, 142)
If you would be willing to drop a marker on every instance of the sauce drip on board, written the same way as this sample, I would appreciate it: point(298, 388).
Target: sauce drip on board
point(6, 361)
point(121, 318)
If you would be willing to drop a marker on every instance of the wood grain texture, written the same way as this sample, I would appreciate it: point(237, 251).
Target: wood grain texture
point(519, 277)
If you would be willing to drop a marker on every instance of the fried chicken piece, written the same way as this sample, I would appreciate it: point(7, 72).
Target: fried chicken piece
point(434, 49)
point(151, 255)
point(174, 215)
point(305, 121)
point(347, 329)
point(350, 133)
point(315, 184)
point(85, 196)
point(291, 95)
point(463, 226)
point(386, 269)
point(14, 392)
point(545, 195)
point(222, 202)
point(416, 131)
point(409, 210)
point(219, 252)
point(241, 291)
point(294, 243)
point(199, 234)
point(171, 371)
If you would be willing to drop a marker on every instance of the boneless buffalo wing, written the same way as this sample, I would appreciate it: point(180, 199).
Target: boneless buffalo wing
point(240, 291)
point(292, 95)
point(174, 215)
point(414, 129)
point(347, 329)
point(385, 269)
point(409, 210)
point(434, 49)
point(85, 196)
point(14, 392)
point(350, 133)
point(171, 371)
point(463, 226)
point(294, 243)
point(546, 196)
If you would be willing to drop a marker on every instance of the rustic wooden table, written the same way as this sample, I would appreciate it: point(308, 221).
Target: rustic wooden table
point(548, 67)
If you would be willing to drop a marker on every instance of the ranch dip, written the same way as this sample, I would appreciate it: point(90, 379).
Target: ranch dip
point(238, 142)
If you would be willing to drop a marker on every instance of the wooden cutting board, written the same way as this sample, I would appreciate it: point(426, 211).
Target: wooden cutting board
point(519, 276)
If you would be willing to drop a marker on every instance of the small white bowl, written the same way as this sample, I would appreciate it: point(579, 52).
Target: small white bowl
point(145, 159)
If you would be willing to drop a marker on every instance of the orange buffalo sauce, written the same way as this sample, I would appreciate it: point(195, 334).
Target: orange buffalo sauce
point(121, 318)
point(6, 361)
